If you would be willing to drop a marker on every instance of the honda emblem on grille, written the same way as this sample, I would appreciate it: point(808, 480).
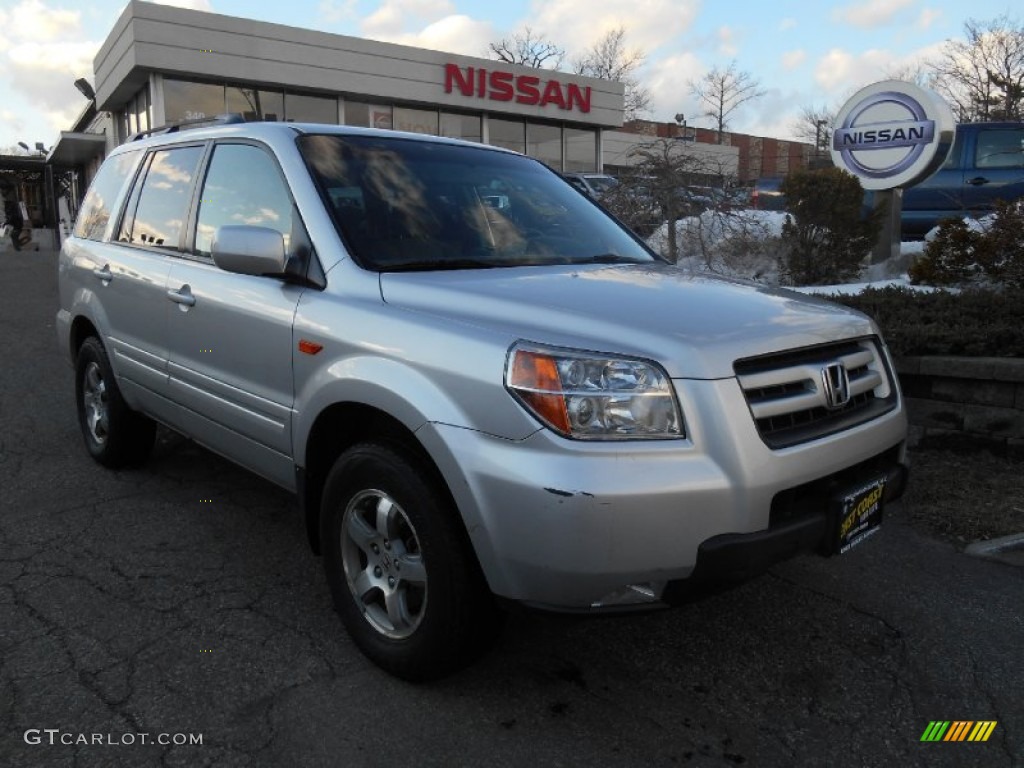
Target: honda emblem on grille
point(835, 384)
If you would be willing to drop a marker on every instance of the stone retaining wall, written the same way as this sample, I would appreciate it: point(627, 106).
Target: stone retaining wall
point(958, 400)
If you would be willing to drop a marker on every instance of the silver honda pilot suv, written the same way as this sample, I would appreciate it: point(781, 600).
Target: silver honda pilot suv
point(481, 387)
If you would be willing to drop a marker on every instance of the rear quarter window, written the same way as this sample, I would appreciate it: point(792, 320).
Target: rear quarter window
point(103, 193)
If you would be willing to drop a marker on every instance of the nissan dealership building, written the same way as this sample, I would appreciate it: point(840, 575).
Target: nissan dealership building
point(162, 64)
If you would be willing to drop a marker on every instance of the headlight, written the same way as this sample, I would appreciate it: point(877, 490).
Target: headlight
point(593, 397)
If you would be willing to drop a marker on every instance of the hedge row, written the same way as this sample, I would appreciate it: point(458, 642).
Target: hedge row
point(973, 323)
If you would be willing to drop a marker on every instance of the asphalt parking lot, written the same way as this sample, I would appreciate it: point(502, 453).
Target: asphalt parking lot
point(182, 599)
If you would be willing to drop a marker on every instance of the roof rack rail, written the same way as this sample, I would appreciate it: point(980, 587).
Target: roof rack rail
point(230, 118)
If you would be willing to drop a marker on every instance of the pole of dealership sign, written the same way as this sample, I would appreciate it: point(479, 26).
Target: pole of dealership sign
point(888, 205)
point(891, 135)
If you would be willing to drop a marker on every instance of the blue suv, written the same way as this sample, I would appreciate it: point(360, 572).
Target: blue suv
point(985, 164)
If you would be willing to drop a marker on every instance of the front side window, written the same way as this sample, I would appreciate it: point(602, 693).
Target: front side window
point(243, 187)
point(402, 204)
point(1000, 148)
point(162, 207)
point(98, 203)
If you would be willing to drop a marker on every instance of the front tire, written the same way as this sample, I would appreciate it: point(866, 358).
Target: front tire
point(115, 435)
point(401, 571)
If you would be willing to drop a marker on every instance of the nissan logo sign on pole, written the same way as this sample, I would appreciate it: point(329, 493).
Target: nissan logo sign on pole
point(891, 135)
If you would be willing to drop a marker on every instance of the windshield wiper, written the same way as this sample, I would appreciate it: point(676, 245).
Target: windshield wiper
point(423, 265)
point(609, 258)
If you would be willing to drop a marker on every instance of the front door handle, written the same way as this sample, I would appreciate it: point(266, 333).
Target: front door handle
point(977, 181)
point(182, 296)
point(104, 274)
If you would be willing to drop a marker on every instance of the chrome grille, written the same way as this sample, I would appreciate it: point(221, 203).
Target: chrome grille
point(786, 391)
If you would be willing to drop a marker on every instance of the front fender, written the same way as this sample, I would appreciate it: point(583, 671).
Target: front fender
point(397, 389)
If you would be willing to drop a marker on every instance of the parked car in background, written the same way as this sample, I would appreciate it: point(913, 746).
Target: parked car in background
point(767, 195)
point(985, 164)
point(594, 184)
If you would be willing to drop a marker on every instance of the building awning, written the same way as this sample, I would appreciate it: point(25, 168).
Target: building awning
point(77, 148)
point(21, 163)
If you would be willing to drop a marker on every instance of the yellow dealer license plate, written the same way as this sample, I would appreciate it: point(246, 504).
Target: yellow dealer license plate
point(860, 514)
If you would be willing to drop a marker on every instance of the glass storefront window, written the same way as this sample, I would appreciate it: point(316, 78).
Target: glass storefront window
point(580, 150)
point(191, 101)
point(367, 115)
point(544, 142)
point(140, 108)
point(302, 108)
point(458, 126)
point(256, 104)
point(415, 120)
point(510, 134)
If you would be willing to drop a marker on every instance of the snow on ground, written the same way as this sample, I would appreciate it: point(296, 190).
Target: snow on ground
point(745, 244)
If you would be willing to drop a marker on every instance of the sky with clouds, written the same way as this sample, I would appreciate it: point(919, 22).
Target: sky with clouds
point(804, 53)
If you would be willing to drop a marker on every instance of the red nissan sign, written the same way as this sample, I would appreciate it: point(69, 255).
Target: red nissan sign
point(497, 85)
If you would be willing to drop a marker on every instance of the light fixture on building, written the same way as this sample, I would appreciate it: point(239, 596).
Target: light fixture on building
point(85, 89)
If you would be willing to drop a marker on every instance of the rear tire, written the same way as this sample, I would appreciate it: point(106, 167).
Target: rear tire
point(115, 435)
point(400, 568)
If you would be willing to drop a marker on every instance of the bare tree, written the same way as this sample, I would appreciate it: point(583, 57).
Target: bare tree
point(609, 59)
point(656, 187)
point(815, 124)
point(528, 48)
point(919, 74)
point(722, 91)
point(982, 75)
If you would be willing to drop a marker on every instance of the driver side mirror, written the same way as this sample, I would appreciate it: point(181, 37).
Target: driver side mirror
point(248, 250)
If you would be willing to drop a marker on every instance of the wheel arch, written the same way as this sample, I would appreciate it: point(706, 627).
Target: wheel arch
point(338, 427)
point(81, 329)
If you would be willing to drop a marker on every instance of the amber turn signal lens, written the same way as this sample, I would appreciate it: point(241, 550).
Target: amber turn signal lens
point(534, 376)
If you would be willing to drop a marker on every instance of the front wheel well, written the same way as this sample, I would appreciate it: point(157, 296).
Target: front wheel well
point(339, 427)
point(81, 329)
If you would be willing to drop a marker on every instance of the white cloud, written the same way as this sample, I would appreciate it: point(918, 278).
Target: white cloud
point(793, 59)
point(786, 24)
point(454, 34)
point(46, 71)
point(578, 24)
point(12, 120)
point(927, 17)
point(873, 13)
point(334, 11)
point(31, 20)
point(42, 55)
point(395, 17)
point(667, 81)
point(195, 5)
point(726, 42)
point(839, 72)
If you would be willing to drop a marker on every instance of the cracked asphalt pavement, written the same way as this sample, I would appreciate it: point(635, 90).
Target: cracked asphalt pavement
point(181, 598)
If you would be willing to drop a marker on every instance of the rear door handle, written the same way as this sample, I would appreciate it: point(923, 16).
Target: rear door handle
point(977, 181)
point(104, 274)
point(182, 296)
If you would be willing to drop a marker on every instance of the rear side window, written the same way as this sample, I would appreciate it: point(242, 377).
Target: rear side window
point(97, 206)
point(1000, 148)
point(159, 216)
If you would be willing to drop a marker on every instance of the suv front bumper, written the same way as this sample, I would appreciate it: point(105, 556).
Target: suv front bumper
point(573, 525)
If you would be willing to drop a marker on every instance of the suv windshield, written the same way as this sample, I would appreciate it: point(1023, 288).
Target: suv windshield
point(402, 204)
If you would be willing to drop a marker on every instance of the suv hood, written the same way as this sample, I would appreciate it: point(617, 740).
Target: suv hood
point(696, 327)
